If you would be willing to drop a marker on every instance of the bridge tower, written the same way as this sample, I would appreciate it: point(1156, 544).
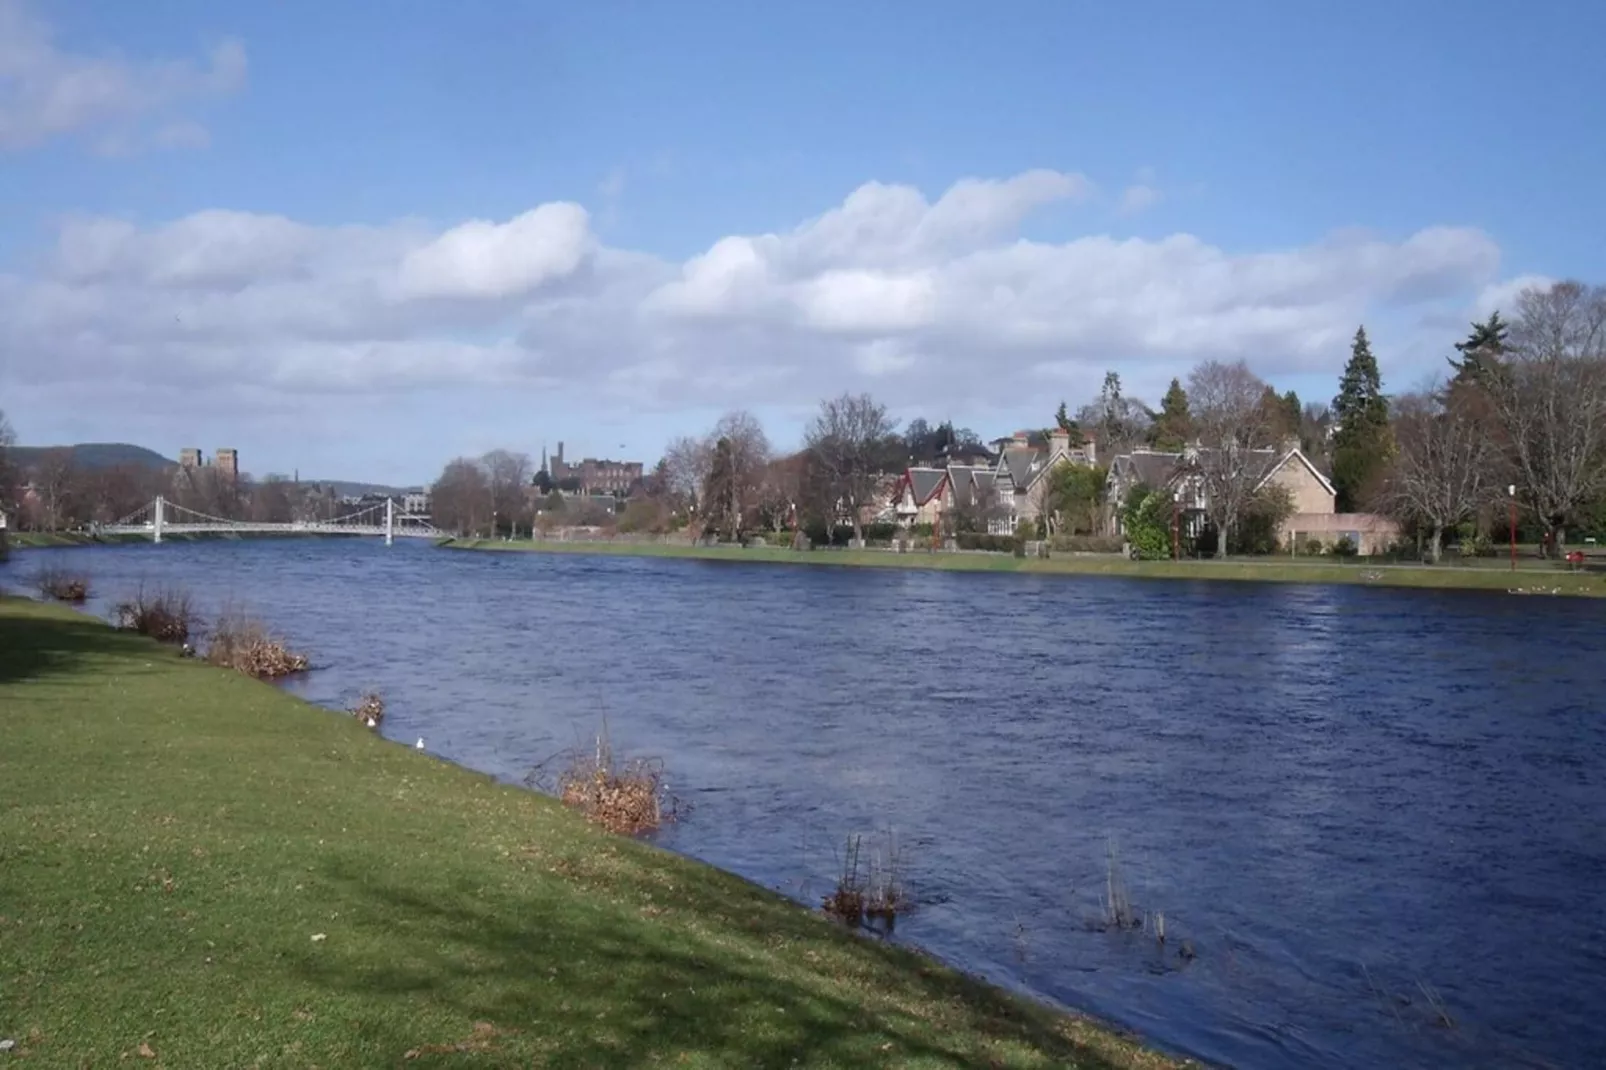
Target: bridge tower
point(390, 521)
point(156, 517)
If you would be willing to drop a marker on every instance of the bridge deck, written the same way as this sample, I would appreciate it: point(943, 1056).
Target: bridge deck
point(400, 531)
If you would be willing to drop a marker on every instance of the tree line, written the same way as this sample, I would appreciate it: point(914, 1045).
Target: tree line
point(1524, 407)
point(56, 492)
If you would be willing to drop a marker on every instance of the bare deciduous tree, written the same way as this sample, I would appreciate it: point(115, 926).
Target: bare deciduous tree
point(1445, 468)
point(507, 475)
point(749, 454)
point(847, 439)
point(1549, 394)
point(1230, 424)
point(460, 500)
point(685, 469)
point(55, 480)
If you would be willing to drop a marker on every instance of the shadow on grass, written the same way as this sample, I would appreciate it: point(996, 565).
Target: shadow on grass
point(614, 987)
point(38, 641)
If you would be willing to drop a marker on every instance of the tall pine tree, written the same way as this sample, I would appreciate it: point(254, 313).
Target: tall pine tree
point(1362, 443)
point(1174, 426)
point(1481, 352)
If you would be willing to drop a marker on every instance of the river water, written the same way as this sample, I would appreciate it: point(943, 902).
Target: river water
point(1355, 806)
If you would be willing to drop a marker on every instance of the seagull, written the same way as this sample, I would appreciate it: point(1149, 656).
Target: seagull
point(420, 744)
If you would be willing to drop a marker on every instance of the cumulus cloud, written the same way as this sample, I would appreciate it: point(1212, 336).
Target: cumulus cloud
point(947, 302)
point(484, 260)
point(47, 92)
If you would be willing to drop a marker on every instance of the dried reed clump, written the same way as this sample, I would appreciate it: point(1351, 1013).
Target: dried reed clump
point(245, 645)
point(869, 889)
point(166, 615)
point(370, 709)
point(62, 585)
point(628, 798)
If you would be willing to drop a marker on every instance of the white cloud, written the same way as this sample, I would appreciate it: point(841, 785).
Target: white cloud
point(46, 92)
point(483, 260)
point(1502, 296)
point(945, 303)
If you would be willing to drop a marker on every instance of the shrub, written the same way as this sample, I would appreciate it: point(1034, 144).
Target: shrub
point(1345, 547)
point(1314, 547)
point(1147, 520)
point(370, 709)
point(244, 644)
point(62, 585)
point(1085, 544)
point(628, 798)
point(167, 615)
point(975, 540)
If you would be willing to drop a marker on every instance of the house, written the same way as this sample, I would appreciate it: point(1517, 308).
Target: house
point(917, 496)
point(1024, 461)
point(1001, 493)
point(1311, 492)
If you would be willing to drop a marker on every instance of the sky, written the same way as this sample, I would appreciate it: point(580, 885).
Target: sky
point(356, 240)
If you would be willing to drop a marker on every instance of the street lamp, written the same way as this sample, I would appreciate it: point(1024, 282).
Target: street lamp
point(1511, 492)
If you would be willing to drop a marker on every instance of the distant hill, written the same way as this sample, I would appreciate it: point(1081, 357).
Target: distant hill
point(94, 455)
point(348, 489)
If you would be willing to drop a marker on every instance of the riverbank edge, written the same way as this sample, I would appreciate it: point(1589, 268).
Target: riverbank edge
point(1526, 580)
point(1103, 1043)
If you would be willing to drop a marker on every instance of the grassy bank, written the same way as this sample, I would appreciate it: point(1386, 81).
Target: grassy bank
point(198, 869)
point(1532, 577)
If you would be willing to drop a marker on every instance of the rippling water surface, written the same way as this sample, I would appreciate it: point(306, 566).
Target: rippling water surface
point(1344, 799)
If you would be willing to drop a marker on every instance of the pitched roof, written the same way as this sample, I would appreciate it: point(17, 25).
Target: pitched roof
point(1021, 464)
point(924, 483)
point(1146, 466)
point(969, 480)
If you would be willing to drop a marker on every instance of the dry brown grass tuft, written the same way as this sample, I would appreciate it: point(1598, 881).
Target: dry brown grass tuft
point(166, 615)
point(626, 797)
point(61, 585)
point(869, 890)
point(370, 709)
point(245, 645)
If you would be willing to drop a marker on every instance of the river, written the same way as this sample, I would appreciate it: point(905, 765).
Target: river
point(1355, 806)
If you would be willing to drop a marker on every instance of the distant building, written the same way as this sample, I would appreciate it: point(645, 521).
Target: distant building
point(594, 476)
point(415, 503)
point(227, 461)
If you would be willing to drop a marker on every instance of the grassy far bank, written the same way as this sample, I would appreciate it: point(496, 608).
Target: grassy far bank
point(200, 869)
point(1531, 576)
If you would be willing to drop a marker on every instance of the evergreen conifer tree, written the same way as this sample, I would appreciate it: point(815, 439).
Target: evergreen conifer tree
point(1362, 442)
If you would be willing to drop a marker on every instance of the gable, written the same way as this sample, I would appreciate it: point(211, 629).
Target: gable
point(1296, 465)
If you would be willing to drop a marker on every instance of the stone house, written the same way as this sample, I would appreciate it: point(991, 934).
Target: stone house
point(1023, 466)
point(1310, 490)
point(1006, 491)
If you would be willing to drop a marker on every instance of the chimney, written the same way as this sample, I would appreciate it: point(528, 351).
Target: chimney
point(1059, 440)
point(1090, 448)
point(1023, 438)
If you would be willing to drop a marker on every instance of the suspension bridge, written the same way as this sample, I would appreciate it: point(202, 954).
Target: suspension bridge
point(161, 518)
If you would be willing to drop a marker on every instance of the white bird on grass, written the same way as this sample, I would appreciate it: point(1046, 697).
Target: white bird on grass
point(420, 744)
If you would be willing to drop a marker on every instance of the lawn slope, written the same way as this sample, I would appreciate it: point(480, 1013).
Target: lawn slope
point(197, 870)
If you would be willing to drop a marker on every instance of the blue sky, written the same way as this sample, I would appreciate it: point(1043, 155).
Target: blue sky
point(1212, 181)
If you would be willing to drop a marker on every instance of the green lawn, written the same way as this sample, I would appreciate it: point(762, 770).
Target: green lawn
point(201, 871)
point(1534, 577)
